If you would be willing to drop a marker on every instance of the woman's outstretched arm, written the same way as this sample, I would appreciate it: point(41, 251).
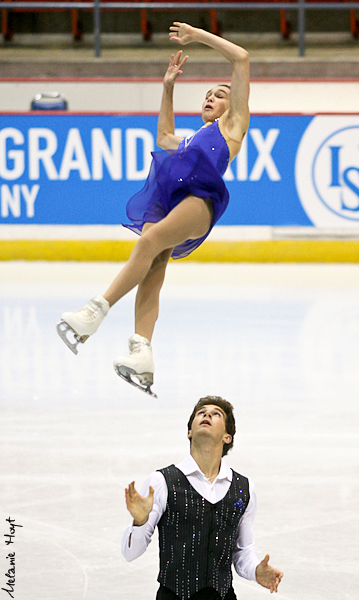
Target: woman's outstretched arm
point(237, 119)
point(166, 138)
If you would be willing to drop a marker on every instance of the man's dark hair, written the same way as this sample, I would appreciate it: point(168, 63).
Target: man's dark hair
point(228, 411)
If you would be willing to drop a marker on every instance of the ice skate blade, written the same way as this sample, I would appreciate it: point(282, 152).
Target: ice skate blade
point(62, 328)
point(126, 373)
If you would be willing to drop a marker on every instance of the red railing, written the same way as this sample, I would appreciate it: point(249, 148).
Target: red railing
point(286, 28)
point(8, 32)
point(145, 22)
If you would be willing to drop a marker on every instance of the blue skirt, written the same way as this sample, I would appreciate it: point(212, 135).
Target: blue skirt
point(173, 176)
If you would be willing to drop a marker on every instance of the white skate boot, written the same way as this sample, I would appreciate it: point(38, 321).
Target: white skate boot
point(138, 367)
point(82, 323)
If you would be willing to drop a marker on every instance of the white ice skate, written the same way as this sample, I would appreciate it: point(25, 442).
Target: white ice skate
point(82, 323)
point(138, 367)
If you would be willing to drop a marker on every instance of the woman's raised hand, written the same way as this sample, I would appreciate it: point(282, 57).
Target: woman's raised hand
point(137, 505)
point(174, 68)
point(181, 33)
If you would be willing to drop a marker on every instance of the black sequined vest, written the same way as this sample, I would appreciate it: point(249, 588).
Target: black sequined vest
point(196, 537)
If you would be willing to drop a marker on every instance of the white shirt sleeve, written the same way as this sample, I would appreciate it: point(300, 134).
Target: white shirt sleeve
point(245, 557)
point(136, 539)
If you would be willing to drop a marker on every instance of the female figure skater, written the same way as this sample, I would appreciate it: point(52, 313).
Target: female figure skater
point(183, 197)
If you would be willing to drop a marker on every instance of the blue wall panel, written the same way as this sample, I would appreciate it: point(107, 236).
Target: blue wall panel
point(81, 169)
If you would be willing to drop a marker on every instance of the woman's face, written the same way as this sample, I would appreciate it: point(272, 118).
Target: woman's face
point(215, 103)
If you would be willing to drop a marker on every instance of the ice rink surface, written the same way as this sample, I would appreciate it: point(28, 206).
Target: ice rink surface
point(280, 342)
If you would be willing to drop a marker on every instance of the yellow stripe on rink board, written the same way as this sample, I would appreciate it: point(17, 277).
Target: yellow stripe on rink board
point(272, 251)
point(77, 250)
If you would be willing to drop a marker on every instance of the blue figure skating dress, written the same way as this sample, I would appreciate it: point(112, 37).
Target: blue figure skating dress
point(195, 168)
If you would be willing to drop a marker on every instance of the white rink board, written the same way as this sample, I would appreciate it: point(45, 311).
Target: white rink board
point(130, 97)
point(267, 97)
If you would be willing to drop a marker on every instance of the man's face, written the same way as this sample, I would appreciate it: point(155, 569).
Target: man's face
point(210, 423)
point(216, 103)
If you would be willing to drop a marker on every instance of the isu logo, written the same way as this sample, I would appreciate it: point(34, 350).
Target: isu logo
point(327, 171)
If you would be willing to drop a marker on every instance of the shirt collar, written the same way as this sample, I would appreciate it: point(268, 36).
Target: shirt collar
point(188, 466)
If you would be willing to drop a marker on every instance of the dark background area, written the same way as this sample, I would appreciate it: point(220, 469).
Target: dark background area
point(129, 21)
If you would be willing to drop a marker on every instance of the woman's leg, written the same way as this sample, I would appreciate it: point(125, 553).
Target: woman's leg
point(138, 368)
point(190, 219)
point(148, 293)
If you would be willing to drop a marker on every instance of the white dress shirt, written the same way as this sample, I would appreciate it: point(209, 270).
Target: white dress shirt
point(245, 558)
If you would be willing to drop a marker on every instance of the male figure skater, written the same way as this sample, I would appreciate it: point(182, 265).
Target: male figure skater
point(204, 512)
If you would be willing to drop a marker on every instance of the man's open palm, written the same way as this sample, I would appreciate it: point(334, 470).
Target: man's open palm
point(268, 576)
point(137, 505)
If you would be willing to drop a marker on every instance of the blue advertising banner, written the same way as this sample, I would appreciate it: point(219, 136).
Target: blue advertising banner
point(81, 169)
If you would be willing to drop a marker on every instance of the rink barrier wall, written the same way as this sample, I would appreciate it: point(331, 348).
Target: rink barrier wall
point(260, 251)
point(304, 166)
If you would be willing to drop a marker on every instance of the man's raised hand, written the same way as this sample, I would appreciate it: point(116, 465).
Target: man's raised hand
point(137, 505)
point(268, 576)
